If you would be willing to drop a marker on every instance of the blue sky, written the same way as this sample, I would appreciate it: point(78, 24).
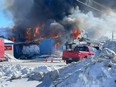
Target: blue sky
point(4, 20)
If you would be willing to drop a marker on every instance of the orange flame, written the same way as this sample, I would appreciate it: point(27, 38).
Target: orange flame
point(56, 36)
point(76, 33)
point(36, 31)
point(28, 36)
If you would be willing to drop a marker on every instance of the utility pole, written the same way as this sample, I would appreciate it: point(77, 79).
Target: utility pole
point(112, 35)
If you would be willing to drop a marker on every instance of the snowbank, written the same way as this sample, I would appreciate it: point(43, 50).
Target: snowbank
point(96, 73)
point(107, 53)
point(10, 72)
point(29, 76)
point(110, 44)
point(11, 58)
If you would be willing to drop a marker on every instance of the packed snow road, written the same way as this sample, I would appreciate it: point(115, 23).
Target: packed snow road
point(27, 63)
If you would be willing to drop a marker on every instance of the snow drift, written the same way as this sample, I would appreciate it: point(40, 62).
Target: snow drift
point(110, 44)
point(98, 72)
point(11, 72)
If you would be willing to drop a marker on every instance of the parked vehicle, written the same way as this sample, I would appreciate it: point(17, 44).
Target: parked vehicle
point(76, 54)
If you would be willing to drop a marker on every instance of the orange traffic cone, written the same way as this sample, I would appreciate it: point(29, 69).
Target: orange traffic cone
point(52, 60)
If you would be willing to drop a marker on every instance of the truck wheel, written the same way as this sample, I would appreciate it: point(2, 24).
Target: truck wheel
point(68, 61)
point(77, 60)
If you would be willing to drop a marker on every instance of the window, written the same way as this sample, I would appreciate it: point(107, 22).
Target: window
point(81, 48)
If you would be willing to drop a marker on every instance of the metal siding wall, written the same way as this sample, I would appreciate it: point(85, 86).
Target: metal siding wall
point(17, 51)
point(46, 46)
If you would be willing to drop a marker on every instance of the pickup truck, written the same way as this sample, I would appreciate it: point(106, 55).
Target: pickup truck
point(76, 54)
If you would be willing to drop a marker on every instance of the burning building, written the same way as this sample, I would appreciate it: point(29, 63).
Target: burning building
point(41, 19)
point(37, 20)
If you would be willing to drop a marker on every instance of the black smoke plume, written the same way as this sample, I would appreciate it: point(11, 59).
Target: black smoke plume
point(32, 13)
point(43, 10)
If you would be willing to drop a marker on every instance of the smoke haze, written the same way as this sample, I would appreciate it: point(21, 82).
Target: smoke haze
point(64, 13)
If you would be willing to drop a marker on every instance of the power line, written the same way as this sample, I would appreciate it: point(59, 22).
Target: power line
point(90, 6)
point(100, 4)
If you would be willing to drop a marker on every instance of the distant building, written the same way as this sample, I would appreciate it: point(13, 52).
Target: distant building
point(47, 46)
point(9, 47)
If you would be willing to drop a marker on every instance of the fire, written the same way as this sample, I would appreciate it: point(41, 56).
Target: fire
point(36, 31)
point(55, 36)
point(32, 34)
point(28, 36)
point(76, 33)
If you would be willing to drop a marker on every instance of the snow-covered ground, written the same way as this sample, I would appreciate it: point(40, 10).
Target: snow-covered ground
point(98, 71)
point(28, 74)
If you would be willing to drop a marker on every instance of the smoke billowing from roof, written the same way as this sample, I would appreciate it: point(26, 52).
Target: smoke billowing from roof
point(33, 13)
point(50, 15)
point(96, 27)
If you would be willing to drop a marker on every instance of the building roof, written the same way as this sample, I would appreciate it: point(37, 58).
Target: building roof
point(8, 41)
